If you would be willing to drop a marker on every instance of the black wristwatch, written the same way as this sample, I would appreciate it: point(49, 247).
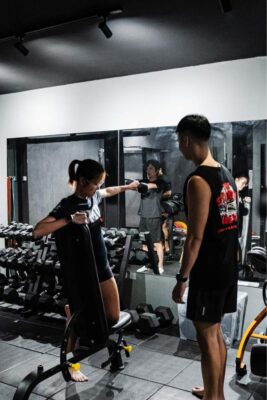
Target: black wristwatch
point(181, 278)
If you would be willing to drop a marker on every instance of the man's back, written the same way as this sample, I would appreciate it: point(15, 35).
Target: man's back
point(216, 263)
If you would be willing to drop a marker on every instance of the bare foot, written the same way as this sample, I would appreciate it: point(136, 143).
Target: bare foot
point(76, 374)
point(198, 391)
point(74, 369)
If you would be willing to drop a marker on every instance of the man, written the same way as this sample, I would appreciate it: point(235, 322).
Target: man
point(210, 251)
point(241, 182)
point(150, 208)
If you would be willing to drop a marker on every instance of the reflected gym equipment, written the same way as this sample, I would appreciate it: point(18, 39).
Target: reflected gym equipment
point(258, 357)
point(256, 257)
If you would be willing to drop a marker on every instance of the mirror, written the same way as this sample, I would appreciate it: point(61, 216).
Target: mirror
point(241, 147)
point(37, 170)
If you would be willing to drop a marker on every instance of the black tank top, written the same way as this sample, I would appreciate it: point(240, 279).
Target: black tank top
point(216, 264)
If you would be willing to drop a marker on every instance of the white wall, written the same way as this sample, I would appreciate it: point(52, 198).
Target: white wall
point(227, 91)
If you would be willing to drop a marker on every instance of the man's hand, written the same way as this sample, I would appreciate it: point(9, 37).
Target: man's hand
point(178, 292)
point(80, 218)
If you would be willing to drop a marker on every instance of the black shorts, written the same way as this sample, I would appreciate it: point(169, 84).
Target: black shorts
point(209, 305)
point(153, 225)
point(103, 267)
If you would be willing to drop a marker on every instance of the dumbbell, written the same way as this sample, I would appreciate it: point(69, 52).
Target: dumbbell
point(57, 267)
point(48, 266)
point(11, 262)
point(144, 307)
point(115, 265)
point(60, 306)
point(112, 232)
point(132, 258)
point(31, 301)
point(60, 302)
point(28, 236)
point(126, 230)
point(45, 302)
point(142, 237)
point(141, 257)
point(142, 188)
point(165, 315)
point(111, 242)
point(3, 280)
point(10, 295)
point(6, 256)
point(2, 228)
point(134, 233)
point(38, 265)
point(9, 231)
point(122, 234)
point(134, 318)
point(148, 321)
point(140, 309)
point(29, 262)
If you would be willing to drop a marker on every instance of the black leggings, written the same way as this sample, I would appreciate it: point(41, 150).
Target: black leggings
point(102, 263)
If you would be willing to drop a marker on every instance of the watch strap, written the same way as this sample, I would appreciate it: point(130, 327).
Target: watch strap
point(181, 278)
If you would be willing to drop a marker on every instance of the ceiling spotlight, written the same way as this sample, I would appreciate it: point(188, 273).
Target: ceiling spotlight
point(116, 11)
point(20, 46)
point(104, 28)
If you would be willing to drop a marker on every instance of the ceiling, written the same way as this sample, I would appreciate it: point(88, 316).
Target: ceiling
point(149, 35)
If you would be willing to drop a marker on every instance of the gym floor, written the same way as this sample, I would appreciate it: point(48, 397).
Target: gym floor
point(170, 268)
point(161, 367)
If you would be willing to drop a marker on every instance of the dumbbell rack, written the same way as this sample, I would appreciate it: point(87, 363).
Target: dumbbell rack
point(35, 266)
point(113, 239)
point(33, 283)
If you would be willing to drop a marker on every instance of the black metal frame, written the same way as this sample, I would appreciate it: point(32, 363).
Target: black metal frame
point(98, 339)
point(123, 269)
point(262, 191)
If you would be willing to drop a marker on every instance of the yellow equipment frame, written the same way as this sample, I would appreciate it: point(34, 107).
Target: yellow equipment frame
point(241, 368)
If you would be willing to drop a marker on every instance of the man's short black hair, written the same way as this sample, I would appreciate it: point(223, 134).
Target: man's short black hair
point(197, 125)
point(242, 174)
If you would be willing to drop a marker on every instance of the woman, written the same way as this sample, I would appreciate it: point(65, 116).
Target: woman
point(86, 177)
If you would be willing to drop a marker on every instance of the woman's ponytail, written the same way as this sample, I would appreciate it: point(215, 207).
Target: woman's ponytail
point(72, 171)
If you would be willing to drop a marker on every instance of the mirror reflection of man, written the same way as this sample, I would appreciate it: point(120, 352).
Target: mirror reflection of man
point(241, 182)
point(210, 251)
point(150, 208)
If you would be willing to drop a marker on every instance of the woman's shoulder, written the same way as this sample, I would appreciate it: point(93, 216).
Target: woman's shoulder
point(64, 207)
